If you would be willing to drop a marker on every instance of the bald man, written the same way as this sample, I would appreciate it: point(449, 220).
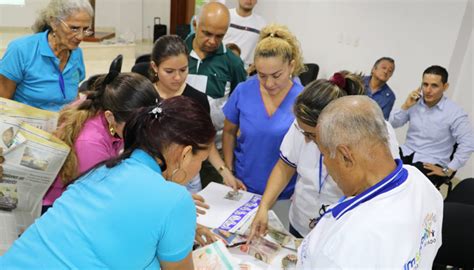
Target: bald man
point(209, 58)
point(391, 214)
point(213, 69)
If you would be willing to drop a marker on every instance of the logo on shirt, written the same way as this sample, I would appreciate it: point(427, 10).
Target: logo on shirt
point(427, 238)
point(76, 76)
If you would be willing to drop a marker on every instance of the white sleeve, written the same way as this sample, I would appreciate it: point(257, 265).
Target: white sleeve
point(392, 140)
point(291, 145)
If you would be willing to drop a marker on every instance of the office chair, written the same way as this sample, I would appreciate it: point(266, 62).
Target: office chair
point(447, 180)
point(458, 240)
point(142, 68)
point(463, 193)
point(143, 58)
point(87, 84)
point(116, 64)
point(310, 74)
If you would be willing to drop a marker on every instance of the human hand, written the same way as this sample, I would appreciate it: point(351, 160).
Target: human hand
point(436, 170)
point(199, 202)
point(204, 236)
point(412, 98)
point(232, 181)
point(259, 225)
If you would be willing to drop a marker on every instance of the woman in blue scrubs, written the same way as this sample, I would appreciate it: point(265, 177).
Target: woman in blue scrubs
point(44, 70)
point(259, 111)
point(132, 212)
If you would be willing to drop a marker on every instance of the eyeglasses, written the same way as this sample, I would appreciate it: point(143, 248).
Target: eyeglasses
point(308, 135)
point(86, 31)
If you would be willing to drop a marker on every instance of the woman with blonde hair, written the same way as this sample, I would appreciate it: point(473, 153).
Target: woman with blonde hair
point(259, 111)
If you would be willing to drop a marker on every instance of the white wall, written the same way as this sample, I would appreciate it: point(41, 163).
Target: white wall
point(336, 34)
point(353, 34)
point(130, 18)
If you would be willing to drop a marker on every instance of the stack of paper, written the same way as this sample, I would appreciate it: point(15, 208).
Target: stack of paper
point(229, 211)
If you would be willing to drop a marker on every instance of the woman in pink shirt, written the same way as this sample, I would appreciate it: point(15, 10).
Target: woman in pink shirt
point(93, 129)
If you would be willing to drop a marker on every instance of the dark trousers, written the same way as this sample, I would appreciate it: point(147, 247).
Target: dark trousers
point(209, 174)
point(294, 232)
point(435, 179)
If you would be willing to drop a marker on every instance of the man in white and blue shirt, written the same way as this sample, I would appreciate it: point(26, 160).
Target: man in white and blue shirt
point(390, 216)
point(436, 124)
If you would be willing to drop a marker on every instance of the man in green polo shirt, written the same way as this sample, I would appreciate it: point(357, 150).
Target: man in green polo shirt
point(213, 70)
point(211, 65)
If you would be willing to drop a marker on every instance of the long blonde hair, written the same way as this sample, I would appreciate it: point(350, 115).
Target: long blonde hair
point(277, 40)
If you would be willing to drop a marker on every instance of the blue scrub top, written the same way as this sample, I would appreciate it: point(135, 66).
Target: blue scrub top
point(125, 217)
point(32, 65)
point(257, 148)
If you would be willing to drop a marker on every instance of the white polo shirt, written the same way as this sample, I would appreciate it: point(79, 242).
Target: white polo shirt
point(244, 31)
point(310, 191)
point(400, 228)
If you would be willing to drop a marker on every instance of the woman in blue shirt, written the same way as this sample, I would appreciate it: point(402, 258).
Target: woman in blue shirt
point(44, 69)
point(125, 214)
point(259, 111)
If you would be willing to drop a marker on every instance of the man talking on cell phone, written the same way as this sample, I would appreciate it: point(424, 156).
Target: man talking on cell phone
point(436, 124)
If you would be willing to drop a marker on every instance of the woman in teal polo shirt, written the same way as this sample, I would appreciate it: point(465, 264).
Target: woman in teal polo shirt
point(125, 214)
point(44, 69)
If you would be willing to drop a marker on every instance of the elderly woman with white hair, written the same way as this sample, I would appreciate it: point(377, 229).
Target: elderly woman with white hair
point(44, 69)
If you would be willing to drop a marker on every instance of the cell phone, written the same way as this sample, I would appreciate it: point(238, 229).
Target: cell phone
point(420, 91)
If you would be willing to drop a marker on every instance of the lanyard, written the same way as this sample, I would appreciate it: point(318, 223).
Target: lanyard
point(62, 86)
point(321, 180)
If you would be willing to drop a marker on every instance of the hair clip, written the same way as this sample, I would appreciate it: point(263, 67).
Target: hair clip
point(156, 111)
point(272, 34)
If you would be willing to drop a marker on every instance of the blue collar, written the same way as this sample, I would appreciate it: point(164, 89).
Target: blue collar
point(393, 180)
point(321, 179)
point(144, 158)
point(440, 105)
point(44, 45)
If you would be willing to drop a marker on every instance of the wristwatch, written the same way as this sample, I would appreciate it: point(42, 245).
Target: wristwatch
point(446, 171)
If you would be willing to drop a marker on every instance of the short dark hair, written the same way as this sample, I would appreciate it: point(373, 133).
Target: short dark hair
point(164, 47)
point(385, 58)
point(437, 70)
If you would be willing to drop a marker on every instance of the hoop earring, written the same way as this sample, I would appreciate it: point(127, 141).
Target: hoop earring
point(175, 171)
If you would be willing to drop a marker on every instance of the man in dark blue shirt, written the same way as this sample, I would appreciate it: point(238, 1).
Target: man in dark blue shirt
point(376, 85)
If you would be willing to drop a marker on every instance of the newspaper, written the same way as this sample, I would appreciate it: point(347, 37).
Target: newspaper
point(276, 230)
point(214, 257)
point(33, 158)
point(228, 210)
point(38, 118)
